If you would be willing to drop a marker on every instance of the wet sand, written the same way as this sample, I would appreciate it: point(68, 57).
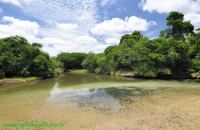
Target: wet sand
point(165, 111)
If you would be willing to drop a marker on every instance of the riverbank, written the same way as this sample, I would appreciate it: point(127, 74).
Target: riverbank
point(10, 81)
point(134, 75)
point(79, 71)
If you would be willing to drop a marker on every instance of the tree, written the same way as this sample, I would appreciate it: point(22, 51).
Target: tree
point(42, 66)
point(103, 67)
point(71, 60)
point(17, 56)
point(178, 27)
point(194, 53)
point(165, 33)
point(90, 62)
point(134, 37)
point(58, 66)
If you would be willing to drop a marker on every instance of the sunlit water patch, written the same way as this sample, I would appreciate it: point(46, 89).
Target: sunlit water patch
point(97, 98)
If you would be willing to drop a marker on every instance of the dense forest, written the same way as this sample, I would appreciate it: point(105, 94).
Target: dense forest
point(174, 54)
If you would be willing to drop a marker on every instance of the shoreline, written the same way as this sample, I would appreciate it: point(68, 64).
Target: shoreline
point(20, 80)
point(130, 75)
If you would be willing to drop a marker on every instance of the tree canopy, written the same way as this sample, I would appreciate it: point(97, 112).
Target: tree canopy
point(175, 54)
point(71, 60)
point(177, 27)
point(20, 58)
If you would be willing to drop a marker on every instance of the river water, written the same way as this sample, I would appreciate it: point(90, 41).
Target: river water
point(100, 102)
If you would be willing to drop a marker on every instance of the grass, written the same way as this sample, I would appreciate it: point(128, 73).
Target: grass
point(17, 80)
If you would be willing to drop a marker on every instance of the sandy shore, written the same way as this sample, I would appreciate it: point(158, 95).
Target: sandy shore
point(166, 111)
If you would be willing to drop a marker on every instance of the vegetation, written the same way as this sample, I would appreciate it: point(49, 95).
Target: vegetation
point(58, 67)
point(175, 54)
point(19, 58)
point(17, 80)
point(177, 27)
point(71, 60)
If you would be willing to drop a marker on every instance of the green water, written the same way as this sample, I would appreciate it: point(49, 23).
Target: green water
point(95, 97)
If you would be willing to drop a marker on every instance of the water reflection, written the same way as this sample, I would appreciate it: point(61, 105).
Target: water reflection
point(100, 98)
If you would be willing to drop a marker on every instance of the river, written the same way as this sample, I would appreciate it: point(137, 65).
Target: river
point(101, 102)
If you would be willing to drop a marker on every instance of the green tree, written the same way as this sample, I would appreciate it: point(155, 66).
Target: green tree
point(58, 66)
point(42, 66)
point(90, 62)
point(165, 33)
point(134, 37)
point(71, 60)
point(194, 42)
point(17, 56)
point(178, 27)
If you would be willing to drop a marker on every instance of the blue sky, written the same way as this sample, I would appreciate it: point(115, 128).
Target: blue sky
point(88, 25)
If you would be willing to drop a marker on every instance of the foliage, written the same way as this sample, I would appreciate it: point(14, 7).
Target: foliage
point(96, 63)
point(71, 60)
point(90, 62)
point(177, 26)
point(130, 38)
point(194, 52)
point(58, 66)
point(20, 58)
point(175, 54)
point(165, 33)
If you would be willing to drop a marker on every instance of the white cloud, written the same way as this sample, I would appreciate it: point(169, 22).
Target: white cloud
point(191, 8)
point(64, 40)
point(63, 37)
point(194, 18)
point(160, 6)
point(12, 26)
point(117, 26)
point(85, 40)
point(107, 2)
point(13, 2)
point(68, 26)
point(112, 41)
point(111, 30)
point(71, 11)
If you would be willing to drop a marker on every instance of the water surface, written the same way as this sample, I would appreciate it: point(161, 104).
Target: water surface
point(100, 102)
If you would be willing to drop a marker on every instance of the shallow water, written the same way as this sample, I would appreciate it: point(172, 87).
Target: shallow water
point(97, 102)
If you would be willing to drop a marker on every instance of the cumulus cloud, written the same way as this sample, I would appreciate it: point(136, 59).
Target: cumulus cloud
point(191, 8)
point(13, 26)
point(112, 41)
point(194, 18)
point(70, 25)
point(160, 6)
point(116, 27)
point(13, 2)
point(56, 40)
point(62, 37)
